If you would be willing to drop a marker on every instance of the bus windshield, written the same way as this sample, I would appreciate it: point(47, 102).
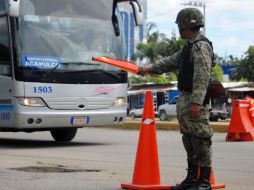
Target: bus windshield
point(63, 35)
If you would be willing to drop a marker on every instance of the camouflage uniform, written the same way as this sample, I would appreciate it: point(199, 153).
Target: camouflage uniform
point(196, 132)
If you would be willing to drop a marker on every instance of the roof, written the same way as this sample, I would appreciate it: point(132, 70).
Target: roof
point(230, 86)
point(233, 84)
point(239, 86)
point(140, 89)
point(243, 89)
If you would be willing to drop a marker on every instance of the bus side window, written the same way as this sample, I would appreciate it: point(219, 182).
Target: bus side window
point(5, 62)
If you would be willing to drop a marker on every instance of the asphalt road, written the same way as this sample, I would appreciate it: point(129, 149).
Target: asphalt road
point(102, 159)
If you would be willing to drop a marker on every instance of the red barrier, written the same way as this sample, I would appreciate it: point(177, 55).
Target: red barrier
point(240, 126)
point(251, 109)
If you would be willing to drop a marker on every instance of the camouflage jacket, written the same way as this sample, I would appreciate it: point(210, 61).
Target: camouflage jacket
point(201, 55)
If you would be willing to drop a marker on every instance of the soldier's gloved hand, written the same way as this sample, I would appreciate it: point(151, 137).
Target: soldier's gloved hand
point(143, 71)
point(194, 111)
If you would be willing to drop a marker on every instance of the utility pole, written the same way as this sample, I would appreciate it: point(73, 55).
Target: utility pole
point(198, 4)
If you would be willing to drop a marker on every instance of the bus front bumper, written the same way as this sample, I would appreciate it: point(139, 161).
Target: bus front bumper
point(47, 118)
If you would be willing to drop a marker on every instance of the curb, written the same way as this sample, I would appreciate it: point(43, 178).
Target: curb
point(170, 125)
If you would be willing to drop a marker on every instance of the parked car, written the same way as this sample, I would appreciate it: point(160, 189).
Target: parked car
point(218, 111)
point(218, 102)
point(137, 112)
point(168, 109)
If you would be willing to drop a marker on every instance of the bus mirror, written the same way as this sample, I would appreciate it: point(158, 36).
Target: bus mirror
point(137, 10)
point(116, 25)
point(114, 18)
point(138, 13)
point(13, 8)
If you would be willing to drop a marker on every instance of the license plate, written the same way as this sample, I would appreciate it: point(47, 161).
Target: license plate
point(79, 120)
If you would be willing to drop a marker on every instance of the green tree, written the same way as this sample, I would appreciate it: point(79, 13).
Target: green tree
point(229, 60)
point(217, 73)
point(157, 46)
point(148, 50)
point(245, 70)
point(162, 79)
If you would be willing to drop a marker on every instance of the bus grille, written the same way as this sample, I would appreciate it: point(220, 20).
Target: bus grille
point(78, 103)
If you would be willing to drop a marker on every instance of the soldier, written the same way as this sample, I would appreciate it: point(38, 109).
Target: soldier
point(194, 63)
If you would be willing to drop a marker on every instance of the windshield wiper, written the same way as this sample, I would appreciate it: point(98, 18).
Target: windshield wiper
point(97, 70)
point(106, 72)
point(49, 72)
point(78, 63)
point(66, 63)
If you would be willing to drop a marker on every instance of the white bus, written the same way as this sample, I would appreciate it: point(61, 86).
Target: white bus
point(48, 81)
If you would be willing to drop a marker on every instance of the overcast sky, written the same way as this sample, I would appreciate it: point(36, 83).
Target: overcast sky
point(229, 23)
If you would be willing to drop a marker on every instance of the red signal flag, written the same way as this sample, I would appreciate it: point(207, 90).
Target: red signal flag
point(125, 65)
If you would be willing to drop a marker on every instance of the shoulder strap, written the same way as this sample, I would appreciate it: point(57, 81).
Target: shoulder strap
point(210, 43)
point(205, 40)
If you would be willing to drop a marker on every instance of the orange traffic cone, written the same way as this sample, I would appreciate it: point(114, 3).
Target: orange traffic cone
point(212, 181)
point(240, 126)
point(146, 171)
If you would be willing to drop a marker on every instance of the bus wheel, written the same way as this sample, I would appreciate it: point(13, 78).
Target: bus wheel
point(66, 134)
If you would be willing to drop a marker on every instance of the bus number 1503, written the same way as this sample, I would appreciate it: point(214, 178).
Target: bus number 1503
point(42, 89)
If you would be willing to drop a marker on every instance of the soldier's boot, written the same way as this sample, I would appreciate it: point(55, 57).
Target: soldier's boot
point(204, 180)
point(191, 178)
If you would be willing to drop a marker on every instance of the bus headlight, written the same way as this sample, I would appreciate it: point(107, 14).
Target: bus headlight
point(120, 101)
point(35, 102)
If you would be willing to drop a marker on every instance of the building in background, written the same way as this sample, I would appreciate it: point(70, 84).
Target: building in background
point(133, 34)
point(228, 71)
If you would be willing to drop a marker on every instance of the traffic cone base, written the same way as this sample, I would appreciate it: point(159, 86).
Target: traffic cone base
point(150, 187)
point(249, 136)
point(215, 186)
point(212, 181)
point(218, 186)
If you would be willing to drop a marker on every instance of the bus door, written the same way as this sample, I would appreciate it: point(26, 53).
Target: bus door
point(6, 81)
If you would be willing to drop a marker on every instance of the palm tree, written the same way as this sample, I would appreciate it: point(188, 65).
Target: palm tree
point(157, 45)
point(147, 50)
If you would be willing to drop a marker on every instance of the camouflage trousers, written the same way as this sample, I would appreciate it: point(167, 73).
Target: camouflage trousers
point(196, 132)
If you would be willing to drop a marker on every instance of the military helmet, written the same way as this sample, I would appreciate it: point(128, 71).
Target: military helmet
point(189, 18)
